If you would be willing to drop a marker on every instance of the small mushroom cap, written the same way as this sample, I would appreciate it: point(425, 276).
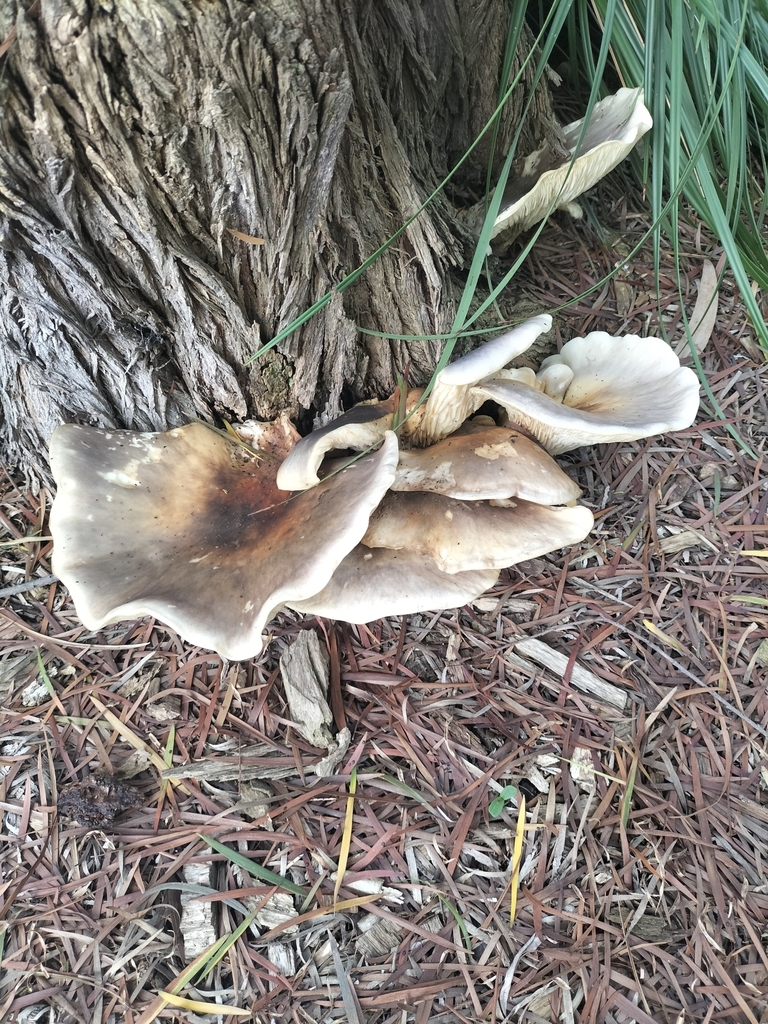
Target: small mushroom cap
point(492, 355)
point(554, 380)
point(361, 427)
point(370, 584)
point(491, 462)
point(622, 389)
point(615, 126)
point(464, 535)
point(451, 400)
point(190, 527)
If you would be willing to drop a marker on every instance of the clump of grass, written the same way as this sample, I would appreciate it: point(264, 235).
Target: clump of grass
point(703, 67)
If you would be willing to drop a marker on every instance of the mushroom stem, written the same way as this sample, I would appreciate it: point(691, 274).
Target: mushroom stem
point(452, 400)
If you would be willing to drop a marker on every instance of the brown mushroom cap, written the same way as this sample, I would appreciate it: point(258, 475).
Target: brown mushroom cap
point(492, 462)
point(622, 389)
point(370, 584)
point(188, 526)
point(465, 535)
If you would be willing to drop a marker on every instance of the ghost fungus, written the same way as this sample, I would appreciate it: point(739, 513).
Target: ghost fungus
point(372, 583)
point(363, 426)
point(485, 462)
point(444, 410)
point(615, 126)
point(461, 536)
point(190, 527)
point(622, 389)
point(452, 398)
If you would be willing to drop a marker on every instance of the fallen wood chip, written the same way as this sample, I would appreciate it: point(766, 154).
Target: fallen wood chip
point(581, 678)
point(684, 540)
point(282, 956)
point(197, 926)
point(304, 668)
point(211, 771)
point(378, 937)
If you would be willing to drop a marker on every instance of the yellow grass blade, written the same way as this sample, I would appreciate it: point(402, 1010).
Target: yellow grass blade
point(199, 968)
point(346, 838)
point(664, 637)
point(310, 915)
point(130, 737)
point(517, 855)
point(626, 802)
point(186, 975)
point(197, 1006)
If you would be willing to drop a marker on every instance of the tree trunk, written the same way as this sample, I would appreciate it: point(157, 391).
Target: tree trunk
point(138, 135)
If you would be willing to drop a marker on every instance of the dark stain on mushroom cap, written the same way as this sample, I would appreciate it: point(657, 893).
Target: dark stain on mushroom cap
point(190, 527)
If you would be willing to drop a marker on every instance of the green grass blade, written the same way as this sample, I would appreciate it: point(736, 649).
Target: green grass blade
point(254, 869)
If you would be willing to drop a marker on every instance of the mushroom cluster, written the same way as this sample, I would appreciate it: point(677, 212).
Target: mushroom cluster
point(213, 534)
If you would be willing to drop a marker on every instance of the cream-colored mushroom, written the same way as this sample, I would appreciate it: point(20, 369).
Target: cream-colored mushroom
point(553, 181)
point(444, 410)
point(622, 389)
point(190, 527)
point(485, 462)
point(373, 583)
point(467, 535)
point(452, 399)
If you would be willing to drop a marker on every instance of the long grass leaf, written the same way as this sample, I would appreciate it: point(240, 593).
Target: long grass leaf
point(198, 1006)
point(254, 869)
point(517, 856)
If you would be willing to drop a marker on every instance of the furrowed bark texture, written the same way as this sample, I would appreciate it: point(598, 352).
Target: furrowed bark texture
point(136, 135)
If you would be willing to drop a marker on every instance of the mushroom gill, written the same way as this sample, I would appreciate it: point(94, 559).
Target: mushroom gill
point(610, 389)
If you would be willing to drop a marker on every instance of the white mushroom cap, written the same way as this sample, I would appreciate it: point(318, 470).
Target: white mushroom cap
point(486, 462)
point(370, 584)
point(554, 379)
point(451, 400)
point(622, 389)
point(361, 427)
point(188, 526)
point(614, 128)
point(465, 535)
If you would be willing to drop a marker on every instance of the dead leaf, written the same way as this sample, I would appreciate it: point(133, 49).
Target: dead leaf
point(704, 315)
point(251, 239)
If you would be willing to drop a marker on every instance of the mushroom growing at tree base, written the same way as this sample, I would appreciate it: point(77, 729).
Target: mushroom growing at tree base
point(197, 528)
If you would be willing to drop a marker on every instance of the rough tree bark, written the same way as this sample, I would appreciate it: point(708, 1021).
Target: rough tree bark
point(136, 135)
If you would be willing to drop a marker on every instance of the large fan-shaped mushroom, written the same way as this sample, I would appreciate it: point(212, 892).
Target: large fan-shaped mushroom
point(189, 526)
point(551, 180)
